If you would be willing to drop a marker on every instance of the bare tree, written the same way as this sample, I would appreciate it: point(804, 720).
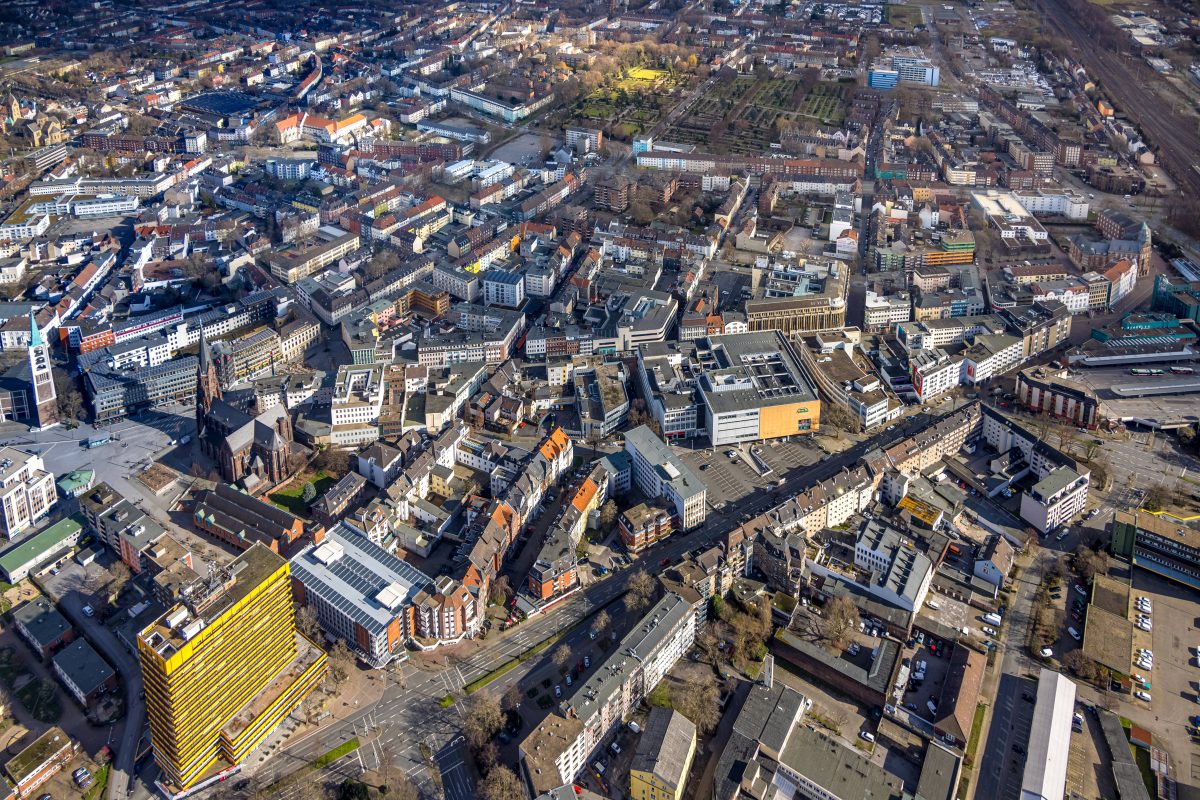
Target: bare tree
point(501, 591)
point(698, 701)
point(483, 720)
point(841, 615)
point(501, 784)
point(608, 515)
point(562, 654)
point(308, 624)
point(600, 623)
point(341, 661)
point(511, 699)
point(1157, 497)
point(638, 591)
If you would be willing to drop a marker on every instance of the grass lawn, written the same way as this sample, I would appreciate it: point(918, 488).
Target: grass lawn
point(97, 790)
point(1142, 756)
point(11, 666)
point(336, 753)
point(976, 731)
point(41, 700)
point(647, 74)
point(291, 499)
point(906, 17)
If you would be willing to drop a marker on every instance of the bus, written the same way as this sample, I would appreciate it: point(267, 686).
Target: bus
point(1182, 371)
point(1145, 371)
point(97, 440)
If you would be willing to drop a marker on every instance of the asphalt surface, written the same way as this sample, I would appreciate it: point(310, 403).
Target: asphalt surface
point(70, 596)
point(408, 713)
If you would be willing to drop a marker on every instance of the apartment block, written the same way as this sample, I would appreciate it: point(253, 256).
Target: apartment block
point(658, 473)
point(27, 491)
point(559, 748)
point(224, 668)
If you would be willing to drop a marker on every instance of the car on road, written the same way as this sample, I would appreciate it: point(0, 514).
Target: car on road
point(1074, 634)
point(88, 611)
point(1046, 652)
point(1143, 696)
point(867, 736)
point(1061, 535)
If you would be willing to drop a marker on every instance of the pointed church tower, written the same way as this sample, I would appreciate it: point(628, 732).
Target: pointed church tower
point(208, 388)
point(41, 379)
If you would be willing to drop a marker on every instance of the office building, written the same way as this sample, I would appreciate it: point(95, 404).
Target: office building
point(361, 594)
point(1055, 499)
point(1163, 544)
point(27, 491)
point(40, 761)
point(223, 668)
point(83, 672)
point(664, 756)
point(357, 403)
point(43, 626)
point(40, 551)
point(753, 387)
point(502, 288)
point(658, 473)
point(242, 521)
point(116, 392)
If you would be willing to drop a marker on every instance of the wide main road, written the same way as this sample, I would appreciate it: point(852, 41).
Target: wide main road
point(1125, 79)
point(408, 713)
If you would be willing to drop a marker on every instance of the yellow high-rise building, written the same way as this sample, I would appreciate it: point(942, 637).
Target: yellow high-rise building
point(223, 668)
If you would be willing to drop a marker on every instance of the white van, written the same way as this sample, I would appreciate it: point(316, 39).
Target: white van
point(933, 604)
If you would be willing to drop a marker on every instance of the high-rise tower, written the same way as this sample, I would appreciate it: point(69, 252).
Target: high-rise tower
point(43, 399)
point(223, 668)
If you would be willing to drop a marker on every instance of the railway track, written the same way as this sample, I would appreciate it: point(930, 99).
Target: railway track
point(1175, 137)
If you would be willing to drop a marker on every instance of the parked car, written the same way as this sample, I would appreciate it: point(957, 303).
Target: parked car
point(867, 736)
point(1143, 696)
point(88, 611)
point(1046, 652)
point(1074, 634)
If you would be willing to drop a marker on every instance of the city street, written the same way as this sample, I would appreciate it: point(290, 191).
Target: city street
point(408, 713)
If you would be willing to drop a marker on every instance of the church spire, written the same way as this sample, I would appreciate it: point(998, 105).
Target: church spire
point(35, 333)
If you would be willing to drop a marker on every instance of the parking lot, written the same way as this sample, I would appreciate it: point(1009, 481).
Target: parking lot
point(1003, 762)
point(1173, 640)
point(730, 479)
point(935, 660)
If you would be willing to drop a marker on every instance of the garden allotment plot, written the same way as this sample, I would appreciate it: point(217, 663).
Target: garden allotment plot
point(631, 105)
point(745, 113)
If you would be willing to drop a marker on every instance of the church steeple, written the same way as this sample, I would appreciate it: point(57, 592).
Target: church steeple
point(208, 387)
point(44, 398)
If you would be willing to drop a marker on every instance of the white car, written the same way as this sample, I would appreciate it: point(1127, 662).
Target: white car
point(867, 736)
point(1140, 695)
point(1074, 634)
point(1046, 652)
point(1146, 652)
point(1144, 626)
point(1138, 678)
point(989, 631)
